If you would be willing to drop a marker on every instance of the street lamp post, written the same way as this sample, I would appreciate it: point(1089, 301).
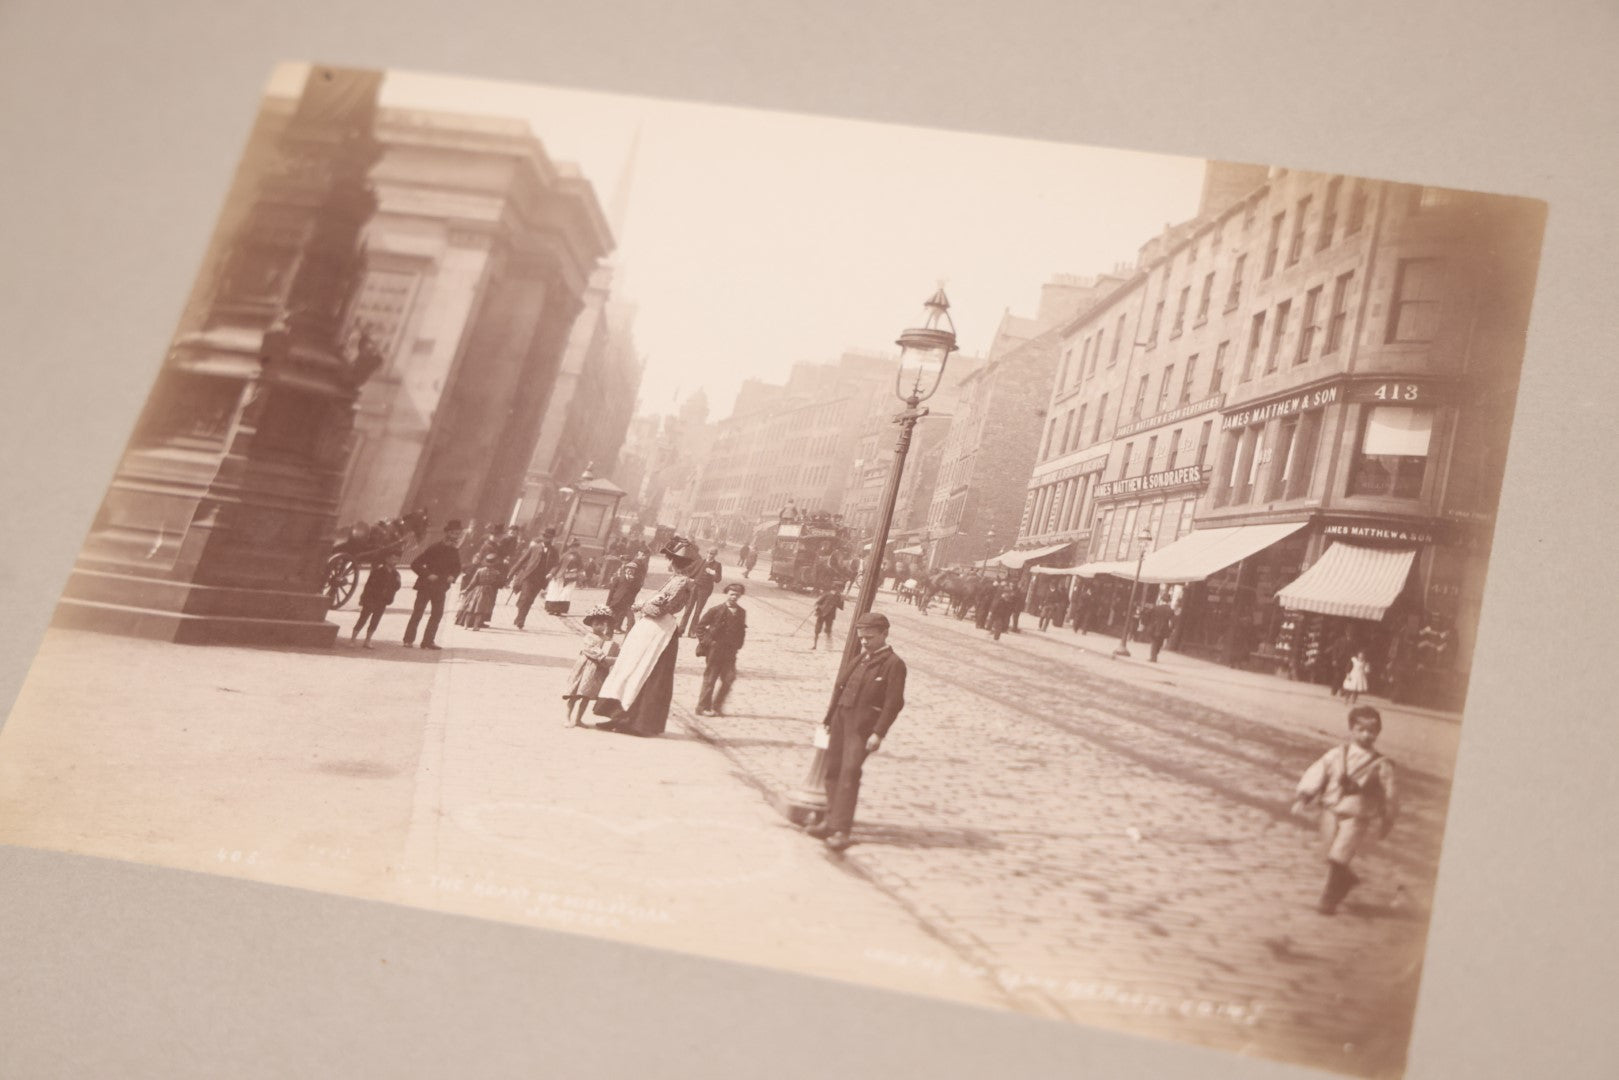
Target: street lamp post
point(924, 352)
point(1144, 537)
point(989, 548)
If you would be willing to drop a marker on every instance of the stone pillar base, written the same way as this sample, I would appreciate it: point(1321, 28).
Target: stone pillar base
point(192, 614)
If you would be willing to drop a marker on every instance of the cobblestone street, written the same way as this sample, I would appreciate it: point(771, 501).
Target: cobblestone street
point(1106, 843)
point(1046, 829)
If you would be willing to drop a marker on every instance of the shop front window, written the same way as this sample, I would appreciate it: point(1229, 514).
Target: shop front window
point(1392, 459)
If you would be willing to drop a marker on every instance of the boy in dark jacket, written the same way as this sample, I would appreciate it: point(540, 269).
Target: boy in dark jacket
point(720, 635)
point(621, 595)
point(826, 609)
point(380, 589)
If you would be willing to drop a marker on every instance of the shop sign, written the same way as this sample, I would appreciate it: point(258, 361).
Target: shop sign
point(1172, 416)
point(1398, 391)
point(1255, 414)
point(1157, 481)
point(1385, 533)
point(1095, 464)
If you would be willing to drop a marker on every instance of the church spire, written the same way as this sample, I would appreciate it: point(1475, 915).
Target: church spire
point(618, 210)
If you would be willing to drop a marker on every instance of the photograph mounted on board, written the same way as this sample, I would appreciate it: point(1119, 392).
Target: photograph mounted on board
point(1034, 576)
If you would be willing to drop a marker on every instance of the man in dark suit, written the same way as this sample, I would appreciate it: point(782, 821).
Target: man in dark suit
point(870, 694)
point(720, 634)
point(708, 575)
point(436, 567)
point(530, 573)
point(1160, 624)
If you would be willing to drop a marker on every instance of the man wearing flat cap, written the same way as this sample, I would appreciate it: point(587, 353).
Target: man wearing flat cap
point(870, 694)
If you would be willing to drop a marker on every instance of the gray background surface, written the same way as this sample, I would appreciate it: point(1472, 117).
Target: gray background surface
point(119, 128)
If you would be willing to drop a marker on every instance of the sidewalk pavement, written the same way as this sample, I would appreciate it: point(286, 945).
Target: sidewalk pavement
point(438, 780)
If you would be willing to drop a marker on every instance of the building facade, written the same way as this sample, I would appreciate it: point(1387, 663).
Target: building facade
point(1328, 363)
point(791, 443)
point(588, 415)
point(977, 501)
point(479, 258)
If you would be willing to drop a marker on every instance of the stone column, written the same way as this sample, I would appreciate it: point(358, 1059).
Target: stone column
point(218, 522)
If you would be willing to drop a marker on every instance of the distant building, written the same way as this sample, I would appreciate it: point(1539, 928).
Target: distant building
point(874, 453)
point(792, 442)
point(977, 501)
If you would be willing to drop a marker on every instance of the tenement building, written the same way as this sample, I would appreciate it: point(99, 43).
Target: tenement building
point(1297, 411)
point(978, 498)
point(787, 444)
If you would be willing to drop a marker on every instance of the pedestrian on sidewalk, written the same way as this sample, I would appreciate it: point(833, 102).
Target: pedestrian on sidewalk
point(746, 558)
point(621, 596)
point(827, 606)
point(639, 689)
point(1160, 620)
point(436, 567)
point(1337, 658)
point(1356, 682)
point(381, 586)
point(478, 598)
point(596, 657)
point(530, 572)
point(720, 634)
point(1353, 787)
point(708, 575)
point(869, 696)
point(559, 590)
point(1052, 606)
point(1078, 608)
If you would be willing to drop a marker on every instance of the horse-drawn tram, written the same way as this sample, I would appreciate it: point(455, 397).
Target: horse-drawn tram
point(810, 554)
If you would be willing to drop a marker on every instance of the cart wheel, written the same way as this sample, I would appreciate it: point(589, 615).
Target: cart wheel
point(342, 575)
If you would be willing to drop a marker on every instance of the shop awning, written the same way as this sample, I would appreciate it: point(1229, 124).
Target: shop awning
point(1208, 551)
point(1354, 582)
point(908, 551)
point(1017, 560)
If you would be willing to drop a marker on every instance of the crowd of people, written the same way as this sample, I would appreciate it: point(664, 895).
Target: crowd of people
point(627, 686)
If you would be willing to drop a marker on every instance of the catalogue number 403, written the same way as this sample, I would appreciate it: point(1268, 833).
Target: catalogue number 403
point(1398, 391)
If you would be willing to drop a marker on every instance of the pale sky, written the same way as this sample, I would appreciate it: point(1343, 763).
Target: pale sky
point(753, 239)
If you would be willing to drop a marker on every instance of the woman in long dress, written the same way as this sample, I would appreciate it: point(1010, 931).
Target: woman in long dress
point(559, 590)
point(637, 692)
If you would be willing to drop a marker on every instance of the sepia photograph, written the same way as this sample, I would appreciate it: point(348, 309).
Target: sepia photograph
point(1040, 577)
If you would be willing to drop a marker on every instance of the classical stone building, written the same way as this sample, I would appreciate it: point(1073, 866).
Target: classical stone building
point(481, 255)
point(217, 524)
point(588, 415)
point(1303, 399)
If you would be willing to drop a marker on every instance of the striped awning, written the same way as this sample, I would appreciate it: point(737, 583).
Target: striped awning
point(1017, 560)
point(1208, 551)
point(1354, 582)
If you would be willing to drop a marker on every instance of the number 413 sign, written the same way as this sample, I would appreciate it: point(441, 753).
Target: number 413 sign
point(1399, 392)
